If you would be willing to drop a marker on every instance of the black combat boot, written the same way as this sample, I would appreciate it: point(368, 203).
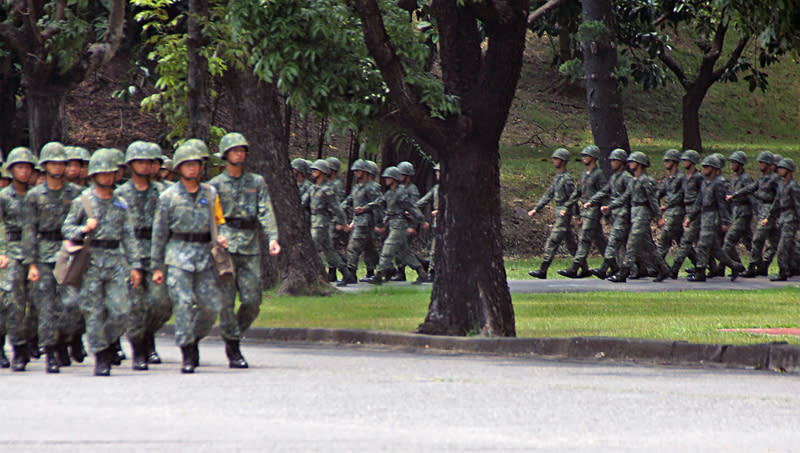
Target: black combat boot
point(20, 357)
point(400, 275)
point(235, 358)
point(102, 361)
point(189, 363)
point(51, 362)
point(540, 273)
point(763, 269)
point(62, 354)
point(737, 269)
point(152, 355)
point(571, 272)
point(332, 274)
point(699, 275)
point(348, 277)
point(422, 276)
point(4, 362)
point(34, 351)
point(76, 350)
point(781, 277)
point(663, 272)
point(583, 270)
point(140, 349)
point(376, 279)
point(752, 270)
point(621, 276)
point(119, 354)
point(602, 271)
point(370, 274)
point(674, 270)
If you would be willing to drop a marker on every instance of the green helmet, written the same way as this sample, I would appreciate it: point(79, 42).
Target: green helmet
point(321, 165)
point(722, 159)
point(776, 158)
point(640, 158)
point(358, 165)
point(103, 160)
point(19, 155)
point(406, 168)
point(117, 155)
point(155, 151)
point(618, 154)
point(52, 152)
point(738, 156)
point(192, 149)
point(392, 172)
point(167, 163)
point(787, 164)
point(561, 153)
point(692, 156)
point(672, 154)
point(76, 153)
point(712, 161)
point(592, 151)
point(301, 165)
point(4, 174)
point(333, 163)
point(138, 150)
point(231, 140)
point(436, 167)
point(371, 167)
point(766, 157)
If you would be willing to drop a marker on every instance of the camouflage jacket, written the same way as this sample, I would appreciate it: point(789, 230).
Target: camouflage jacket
point(691, 189)
point(644, 199)
point(786, 207)
point(614, 190)
point(710, 206)
point(113, 225)
point(361, 195)
point(743, 206)
point(338, 188)
point(396, 204)
point(763, 192)
point(45, 211)
point(590, 183)
point(560, 190)
point(324, 206)
point(432, 198)
point(12, 223)
point(141, 211)
point(245, 200)
point(180, 212)
point(673, 189)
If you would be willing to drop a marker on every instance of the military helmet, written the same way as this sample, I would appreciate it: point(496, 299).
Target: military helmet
point(155, 151)
point(231, 140)
point(766, 157)
point(436, 167)
point(592, 151)
point(4, 174)
point(117, 155)
point(618, 154)
point(103, 160)
point(561, 153)
point(76, 153)
point(167, 163)
point(300, 165)
point(19, 155)
point(333, 163)
point(322, 165)
point(192, 149)
point(640, 158)
point(738, 156)
point(406, 168)
point(787, 164)
point(722, 159)
point(138, 150)
point(52, 152)
point(776, 158)
point(672, 154)
point(392, 172)
point(692, 156)
point(371, 167)
point(711, 161)
point(357, 165)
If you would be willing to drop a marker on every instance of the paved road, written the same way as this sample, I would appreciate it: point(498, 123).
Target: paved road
point(301, 398)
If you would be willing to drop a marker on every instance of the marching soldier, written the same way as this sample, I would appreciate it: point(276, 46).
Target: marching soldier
point(301, 168)
point(742, 215)
point(406, 169)
point(673, 207)
point(691, 188)
point(247, 208)
point(432, 198)
point(615, 190)
point(362, 228)
point(338, 188)
point(785, 211)
point(77, 165)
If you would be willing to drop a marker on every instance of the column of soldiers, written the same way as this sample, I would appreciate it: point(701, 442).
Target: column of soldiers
point(150, 243)
point(702, 214)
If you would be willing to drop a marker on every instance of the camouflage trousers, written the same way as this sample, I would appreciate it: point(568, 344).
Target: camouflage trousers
point(395, 249)
point(150, 308)
point(362, 240)
point(322, 241)
point(640, 246)
point(740, 231)
point(105, 303)
point(709, 245)
point(672, 233)
point(16, 302)
point(686, 249)
point(196, 300)
point(591, 234)
point(232, 323)
point(768, 236)
point(59, 317)
point(618, 238)
point(786, 246)
point(561, 232)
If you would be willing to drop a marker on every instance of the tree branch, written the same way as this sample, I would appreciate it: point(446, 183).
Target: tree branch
point(102, 53)
point(59, 16)
point(542, 10)
point(673, 66)
point(735, 55)
point(31, 17)
point(14, 38)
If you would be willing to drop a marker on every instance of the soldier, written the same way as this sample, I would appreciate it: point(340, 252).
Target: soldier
point(615, 191)
point(325, 209)
point(785, 211)
point(77, 165)
point(103, 216)
point(560, 190)
point(644, 208)
point(181, 249)
point(742, 216)
point(5, 178)
point(19, 164)
point(406, 169)
point(432, 198)
point(300, 168)
point(714, 214)
point(46, 206)
point(591, 181)
point(362, 228)
point(338, 188)
point(673, 208)
point(691, 188)
point(764, 191)
point(247, 207)
point(119, 157)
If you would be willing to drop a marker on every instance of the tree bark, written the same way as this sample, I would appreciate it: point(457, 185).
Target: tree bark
point(260, 117)
point(10, 134)
point(603, 97)
point(197, 80)
point(690, 116)
point(45, 113)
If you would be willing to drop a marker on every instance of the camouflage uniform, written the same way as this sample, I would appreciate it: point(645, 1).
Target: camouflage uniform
point(617, 191)
point(432, 198)
point(672, 188)
point(325, 210)
point(691, 190)
point(561, 232)
point(742, 216)
point(590, 183)
point(785, 211)
point(362, 238)
point(15, 275)
point(763, 191)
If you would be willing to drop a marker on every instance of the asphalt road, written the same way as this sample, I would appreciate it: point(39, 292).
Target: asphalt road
point(313, 398)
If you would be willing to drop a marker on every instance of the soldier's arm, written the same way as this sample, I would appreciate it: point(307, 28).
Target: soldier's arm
point(3, 237)
point(676, 199)
point(601, 195)
point(413, 211)
point(623, 199)
point(749, 189)
point(72, 228)
point(724, 208)
point(160, 234)
point(335, 210)
point(30, 233)
point(130, 245)
point(652, 199)
point(548, 195)
point(796, 199)
point(266, 214)
point(427, 198)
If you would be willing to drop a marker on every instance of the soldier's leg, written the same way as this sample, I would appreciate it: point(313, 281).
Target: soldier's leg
point(357, 244)
point(786, 249)
point(16, 298)
point(371, 254)
point(208, 301)
point(139, 308)
point(72, 325)
point(585, 241)
point(49, 307)
point(180, 288)
point(92, 304)
point(388, 252)
point(736, 234)
point(248, 284)
point(116, 301)
point(704, 244)
point(159, 313)
point(673, 231)
point(598, 238)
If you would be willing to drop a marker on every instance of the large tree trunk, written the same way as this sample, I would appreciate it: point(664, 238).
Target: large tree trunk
point(603, 97)
point(10, 134)
point(198, 103)
point(260, 117)
point(690, 116)
point(45, 115)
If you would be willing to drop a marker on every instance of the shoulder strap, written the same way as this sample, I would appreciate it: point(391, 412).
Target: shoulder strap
point(212, 223)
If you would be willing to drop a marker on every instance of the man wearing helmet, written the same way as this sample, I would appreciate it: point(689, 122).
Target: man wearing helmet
point(432, 198)
point(362, 228)
point(785, 211)
point(743, 206)
point(77, 165)
point(407, 171)
point(691, 187)
point(338, 188)
point(247, 208)
point(300, 169)
point(673, 208)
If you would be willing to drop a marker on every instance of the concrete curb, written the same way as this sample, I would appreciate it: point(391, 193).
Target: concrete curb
point(776, 356)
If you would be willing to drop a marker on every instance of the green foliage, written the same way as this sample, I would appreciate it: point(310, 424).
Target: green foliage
point(573, 69)
point(594, 31)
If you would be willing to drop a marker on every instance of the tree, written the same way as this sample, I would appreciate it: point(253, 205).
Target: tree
point(470, 292)
point(58, 43)
point(197, 77)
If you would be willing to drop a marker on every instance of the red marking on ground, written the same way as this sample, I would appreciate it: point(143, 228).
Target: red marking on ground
point(792, 331)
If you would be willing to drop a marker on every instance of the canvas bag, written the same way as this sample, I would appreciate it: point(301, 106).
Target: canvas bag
point(221, 259)
point(73, 259)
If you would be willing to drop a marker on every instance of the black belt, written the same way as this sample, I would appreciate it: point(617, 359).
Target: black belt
point(13, 235)
point(191, 237)
point(105, 243)
point(54, 235)
point(241, 223)
point(143, 233)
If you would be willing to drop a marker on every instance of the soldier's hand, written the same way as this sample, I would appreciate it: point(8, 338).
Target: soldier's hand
point(274, 247)
point(359, 210)
point(33, 273)
point(3, 261)
point(91, 225)
point(222, 241)
point(686, 223)
point(660, 223)
point(764, 222)
point(604, 209)
point(531, 213)
point(158, 277)
point(725, 228)
point(579, 221)
point(728, 197)
point(380, 230)
point(563, 212)
point(341, 228)
point(426, 225)
point(136, 278)
point(436, 211)
point(410, 231)
point(587, 205)
point(663, 208)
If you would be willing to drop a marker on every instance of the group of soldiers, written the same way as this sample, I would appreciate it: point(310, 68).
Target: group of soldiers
point(705, 215)
point(150, 242)
point(395, 212)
